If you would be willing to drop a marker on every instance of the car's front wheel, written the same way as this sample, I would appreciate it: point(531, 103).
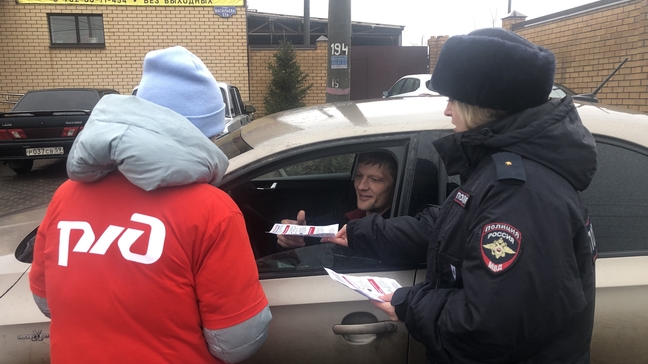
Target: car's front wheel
point(21, 166)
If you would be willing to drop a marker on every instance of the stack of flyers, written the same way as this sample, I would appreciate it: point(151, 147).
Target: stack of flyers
point(371, 287)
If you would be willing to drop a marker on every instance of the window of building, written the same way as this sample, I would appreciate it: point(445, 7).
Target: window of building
point(84, 30)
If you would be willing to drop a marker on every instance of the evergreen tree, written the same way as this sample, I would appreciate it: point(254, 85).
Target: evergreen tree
point(288, 86)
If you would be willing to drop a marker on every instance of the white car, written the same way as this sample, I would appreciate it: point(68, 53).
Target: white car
point(237, 113)
point(411, 85)
point(304, 159)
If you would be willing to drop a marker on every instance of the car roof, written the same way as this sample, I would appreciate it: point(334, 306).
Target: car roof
point(328, 123)
point(75, 89)
point(420, 76)
point(615, 121)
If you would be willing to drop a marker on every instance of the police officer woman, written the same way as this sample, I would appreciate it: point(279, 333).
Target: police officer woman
point(510, 268)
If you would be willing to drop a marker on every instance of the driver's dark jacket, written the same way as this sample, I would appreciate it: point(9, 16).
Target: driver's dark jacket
point(527, 297)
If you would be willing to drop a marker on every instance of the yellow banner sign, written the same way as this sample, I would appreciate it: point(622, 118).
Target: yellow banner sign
point(140, 2)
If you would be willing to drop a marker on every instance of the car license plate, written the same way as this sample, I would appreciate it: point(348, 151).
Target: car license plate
point(33, 152)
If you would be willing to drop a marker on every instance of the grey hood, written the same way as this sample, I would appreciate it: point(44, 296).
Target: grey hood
point(151, 145)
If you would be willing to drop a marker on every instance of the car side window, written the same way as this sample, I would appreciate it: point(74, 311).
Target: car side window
point(327, 165)
point(411, 85)
point(397, 88)
point(228, 107)
point(617, 200)
point(324, 189)
point(425, 180)
point(557, 93)
point(236, 101)
point(429, 180)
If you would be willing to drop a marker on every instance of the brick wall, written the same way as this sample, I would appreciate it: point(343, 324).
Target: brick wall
point(589, 45)
point(29, 63)
point(434, 46)
point(312, 61)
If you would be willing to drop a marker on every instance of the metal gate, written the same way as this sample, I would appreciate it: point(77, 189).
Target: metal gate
point(375, 69)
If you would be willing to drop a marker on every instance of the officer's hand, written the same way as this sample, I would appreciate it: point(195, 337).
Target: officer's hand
point(340, 238)
point(287, 241)
point(386, 306)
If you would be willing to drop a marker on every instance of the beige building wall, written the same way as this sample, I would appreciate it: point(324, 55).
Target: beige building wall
point(28, 62)
point(311, 61)
point(589, 46)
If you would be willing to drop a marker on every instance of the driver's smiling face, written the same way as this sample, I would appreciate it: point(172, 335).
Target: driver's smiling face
point(374, 188)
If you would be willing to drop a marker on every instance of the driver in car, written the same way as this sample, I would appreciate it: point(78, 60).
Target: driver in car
point(374, 181)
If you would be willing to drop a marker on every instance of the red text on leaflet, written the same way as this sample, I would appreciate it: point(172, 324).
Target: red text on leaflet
point(345, 278)
point(373, 283)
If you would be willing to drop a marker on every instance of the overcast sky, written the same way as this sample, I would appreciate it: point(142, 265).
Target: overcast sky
point(424, 18)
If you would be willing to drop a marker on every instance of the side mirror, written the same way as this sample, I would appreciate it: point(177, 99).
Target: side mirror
point(25, 250)
point(385, 94)
point(249, 109)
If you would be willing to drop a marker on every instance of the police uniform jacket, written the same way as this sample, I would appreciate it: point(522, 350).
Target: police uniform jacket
point(396, 240)
point(510, 268)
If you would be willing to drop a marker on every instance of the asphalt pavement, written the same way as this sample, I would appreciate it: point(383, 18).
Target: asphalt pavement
point(33, 189)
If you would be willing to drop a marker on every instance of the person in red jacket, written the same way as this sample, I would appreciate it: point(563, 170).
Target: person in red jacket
point(139, 259)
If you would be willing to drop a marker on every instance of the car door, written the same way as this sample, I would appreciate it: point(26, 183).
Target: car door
point(617, 201)
point(316, 319)
point(235, 118)
point(229, 120)
point(239, 106)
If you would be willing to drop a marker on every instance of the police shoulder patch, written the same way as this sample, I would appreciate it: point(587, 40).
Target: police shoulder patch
point(462, 198)
point(509, 166)
point(500, 245)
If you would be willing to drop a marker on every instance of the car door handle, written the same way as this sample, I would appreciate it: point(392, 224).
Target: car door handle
point(381, 327)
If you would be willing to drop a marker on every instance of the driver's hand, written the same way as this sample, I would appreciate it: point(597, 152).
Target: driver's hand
point(340, 238)
point(288, 241)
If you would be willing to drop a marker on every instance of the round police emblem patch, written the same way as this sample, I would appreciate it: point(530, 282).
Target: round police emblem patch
point(500, 246)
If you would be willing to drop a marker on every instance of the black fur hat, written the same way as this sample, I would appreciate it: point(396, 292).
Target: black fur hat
point(496, 69)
